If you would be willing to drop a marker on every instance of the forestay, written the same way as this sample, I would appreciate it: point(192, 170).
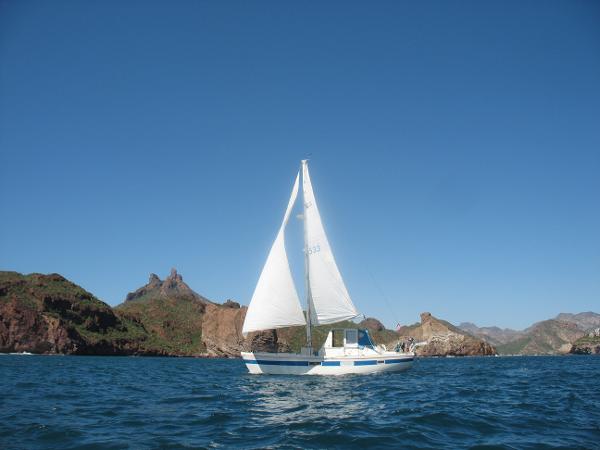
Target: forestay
point(330, 301)
point(275, 302)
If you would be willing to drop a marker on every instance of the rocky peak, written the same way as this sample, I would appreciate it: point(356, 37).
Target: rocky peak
point(175, 282)
point(172, 286)
point(441, 338)
point(231, 304)
point(434, 327)
point(174, 275)
point(154, 280)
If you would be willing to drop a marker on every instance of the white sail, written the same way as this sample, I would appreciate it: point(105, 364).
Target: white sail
point(275, 302)
point(330, 301)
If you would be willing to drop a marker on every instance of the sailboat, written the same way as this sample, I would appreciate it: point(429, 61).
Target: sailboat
point(276, 304)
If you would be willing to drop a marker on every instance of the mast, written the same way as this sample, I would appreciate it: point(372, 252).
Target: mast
point(306, 265)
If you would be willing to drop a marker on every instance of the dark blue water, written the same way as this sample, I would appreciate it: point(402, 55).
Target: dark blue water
point(111, 402)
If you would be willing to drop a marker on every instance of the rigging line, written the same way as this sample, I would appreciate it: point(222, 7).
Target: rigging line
point(333, 277)
point(383, 294)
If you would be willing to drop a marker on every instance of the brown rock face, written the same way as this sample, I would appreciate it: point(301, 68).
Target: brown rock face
point(24, 329)
point(587, 345)
point(231, 304)
point(266, 341)
point(187, 324)
point(222, 330)
point(49, 314)
point(444, 339)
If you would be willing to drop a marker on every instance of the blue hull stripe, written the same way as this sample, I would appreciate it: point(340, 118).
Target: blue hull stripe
point(396, 361)
point(366, 362)
point(330, 363)
point(269, 362)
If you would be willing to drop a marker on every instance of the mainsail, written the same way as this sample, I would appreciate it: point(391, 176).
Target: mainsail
point(330, 301)
point(275, 302)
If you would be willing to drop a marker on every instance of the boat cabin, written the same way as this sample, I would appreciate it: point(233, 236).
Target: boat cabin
point(346, 341)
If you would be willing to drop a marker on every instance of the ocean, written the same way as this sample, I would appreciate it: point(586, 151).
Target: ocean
point(68, 402)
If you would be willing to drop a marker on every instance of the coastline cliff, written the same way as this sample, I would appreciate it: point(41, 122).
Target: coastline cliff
point(588, 344)
point(49, 314)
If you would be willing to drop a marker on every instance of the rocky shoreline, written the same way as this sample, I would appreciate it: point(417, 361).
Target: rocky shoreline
point(587, 345)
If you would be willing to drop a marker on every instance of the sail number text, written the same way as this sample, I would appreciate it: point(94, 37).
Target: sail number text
point(314, 249)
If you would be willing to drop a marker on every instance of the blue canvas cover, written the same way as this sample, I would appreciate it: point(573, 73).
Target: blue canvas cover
point(364, 339)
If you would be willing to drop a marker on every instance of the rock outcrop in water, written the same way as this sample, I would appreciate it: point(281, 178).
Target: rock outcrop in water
point(444, 339)
point(587, 345)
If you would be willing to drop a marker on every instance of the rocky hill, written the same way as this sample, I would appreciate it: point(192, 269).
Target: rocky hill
point(585, 320)
point(548, 337)
point(49, 314)
point(170, 312)
point(182, 322)
point(444, 339)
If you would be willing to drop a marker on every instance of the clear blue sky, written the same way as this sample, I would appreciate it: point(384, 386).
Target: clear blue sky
point(455, 147)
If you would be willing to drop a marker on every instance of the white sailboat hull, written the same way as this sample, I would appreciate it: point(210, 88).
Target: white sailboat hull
point(297, 364)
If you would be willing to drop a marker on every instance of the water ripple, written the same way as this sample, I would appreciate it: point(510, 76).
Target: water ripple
point(116, 403)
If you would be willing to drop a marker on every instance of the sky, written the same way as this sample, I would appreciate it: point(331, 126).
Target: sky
point(454, 148)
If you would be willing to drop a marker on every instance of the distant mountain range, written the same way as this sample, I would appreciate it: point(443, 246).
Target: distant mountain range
point(553, 336)
point(50, 314)
point(493, 335)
